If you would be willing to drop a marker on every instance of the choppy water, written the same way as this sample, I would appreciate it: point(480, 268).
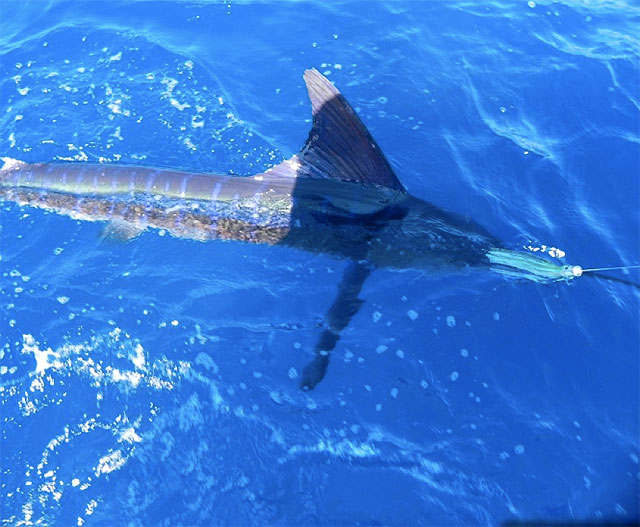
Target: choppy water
point(156, 382)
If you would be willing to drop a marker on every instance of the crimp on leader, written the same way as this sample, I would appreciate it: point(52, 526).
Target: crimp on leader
point(571, 271)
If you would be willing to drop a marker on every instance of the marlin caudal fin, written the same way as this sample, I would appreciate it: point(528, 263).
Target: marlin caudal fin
point(339, 145)
point(344, 307)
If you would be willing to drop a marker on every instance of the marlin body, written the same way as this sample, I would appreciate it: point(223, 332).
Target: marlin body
point(338, 196)
point(385, 227)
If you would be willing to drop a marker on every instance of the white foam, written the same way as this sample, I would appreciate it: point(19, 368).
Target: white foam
point(110, 462)
point(45, 359)
point(130, 436)
point(180, 106)
point(132, 377)
point(138, 357)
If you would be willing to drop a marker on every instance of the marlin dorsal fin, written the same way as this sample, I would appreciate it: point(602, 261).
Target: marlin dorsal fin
point(339, 146)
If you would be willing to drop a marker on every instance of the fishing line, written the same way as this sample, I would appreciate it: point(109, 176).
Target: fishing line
point(576, 270)
point(614, 279)
point(611, 268)
point(573, 271)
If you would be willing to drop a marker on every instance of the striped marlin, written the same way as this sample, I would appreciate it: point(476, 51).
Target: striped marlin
point(338, 196)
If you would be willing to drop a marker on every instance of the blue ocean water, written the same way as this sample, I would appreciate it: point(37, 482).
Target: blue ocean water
point(157, 382)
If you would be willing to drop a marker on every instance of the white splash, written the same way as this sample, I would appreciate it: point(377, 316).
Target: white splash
point(110, 462)
point(45, 359)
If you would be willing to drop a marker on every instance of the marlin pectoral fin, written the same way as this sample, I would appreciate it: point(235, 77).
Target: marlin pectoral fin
point(120, 231)
point(344, 307)
point(339, 145)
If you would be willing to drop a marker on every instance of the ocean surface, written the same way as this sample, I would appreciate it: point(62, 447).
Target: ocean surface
point(156, 382)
